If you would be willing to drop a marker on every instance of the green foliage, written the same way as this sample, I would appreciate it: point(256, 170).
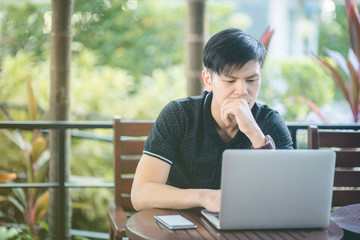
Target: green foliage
point(283, 80)
point(22, 28)
point(347, 80)
point(96, 89)
point(334, 34)
point(92, 158)
point(89, 208)
point(32, 204)
point(8, 233)
point(15, 70)
point(11, 159)
point(127, 35)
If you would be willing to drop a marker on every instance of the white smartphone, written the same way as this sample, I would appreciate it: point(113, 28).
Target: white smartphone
point(175, 221)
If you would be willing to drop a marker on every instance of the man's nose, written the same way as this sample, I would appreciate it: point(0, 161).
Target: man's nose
point(241, 88)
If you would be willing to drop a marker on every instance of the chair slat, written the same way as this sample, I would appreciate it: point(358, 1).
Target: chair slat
point(345, 197)
point(342, 139)
point(132, 147)
point(126, 184)
point(129, 166)
point(347, 178)
point(136, 128)
point(345, 158)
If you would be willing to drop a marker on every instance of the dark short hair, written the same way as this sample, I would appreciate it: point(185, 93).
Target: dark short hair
point(231, 48)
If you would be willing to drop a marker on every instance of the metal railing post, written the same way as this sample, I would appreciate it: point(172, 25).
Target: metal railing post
point(61, 189)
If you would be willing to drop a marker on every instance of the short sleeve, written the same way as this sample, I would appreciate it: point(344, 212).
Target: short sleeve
point(280, 132)
point(166, 133)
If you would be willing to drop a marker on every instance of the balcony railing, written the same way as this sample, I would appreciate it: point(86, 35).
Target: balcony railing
point(63, 126)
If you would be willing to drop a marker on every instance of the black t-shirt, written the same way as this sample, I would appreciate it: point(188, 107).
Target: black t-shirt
point(184, 135)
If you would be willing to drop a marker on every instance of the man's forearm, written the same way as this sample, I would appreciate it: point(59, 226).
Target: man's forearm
point(157, 195)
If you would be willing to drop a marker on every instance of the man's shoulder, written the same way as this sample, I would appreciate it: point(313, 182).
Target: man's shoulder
point(260, 107)
point(190, 100)
point(188, 109)
point(190, 103)
point(263, 111)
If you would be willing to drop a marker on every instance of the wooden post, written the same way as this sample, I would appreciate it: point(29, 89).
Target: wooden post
point(61, 38)
point(195, 41)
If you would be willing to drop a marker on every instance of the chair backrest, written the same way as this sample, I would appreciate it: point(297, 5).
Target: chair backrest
point(129, 138)
point(347, 171)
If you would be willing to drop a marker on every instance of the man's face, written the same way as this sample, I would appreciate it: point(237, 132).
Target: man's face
point(241, 83)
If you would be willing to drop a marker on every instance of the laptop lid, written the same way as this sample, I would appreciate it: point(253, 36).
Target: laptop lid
point(264, 189)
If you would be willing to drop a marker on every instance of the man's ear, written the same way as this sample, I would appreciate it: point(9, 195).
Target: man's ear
point(207, 80)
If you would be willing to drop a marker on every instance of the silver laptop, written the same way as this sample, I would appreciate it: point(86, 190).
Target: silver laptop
point(278, 189)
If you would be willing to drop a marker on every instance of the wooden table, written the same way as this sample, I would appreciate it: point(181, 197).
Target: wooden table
point(348, 218)
point(143, 226)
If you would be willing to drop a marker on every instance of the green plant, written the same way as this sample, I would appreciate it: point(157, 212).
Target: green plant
point(32, 204)
point(351, 66)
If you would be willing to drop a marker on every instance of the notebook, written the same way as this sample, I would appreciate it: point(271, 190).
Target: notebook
point(275, 189)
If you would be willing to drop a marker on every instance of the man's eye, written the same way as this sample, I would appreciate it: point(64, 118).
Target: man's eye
point(252, 80)
point(229, 81)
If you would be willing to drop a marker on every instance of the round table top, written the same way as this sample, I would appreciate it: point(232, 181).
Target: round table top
point(142, 225)
point(348, 217)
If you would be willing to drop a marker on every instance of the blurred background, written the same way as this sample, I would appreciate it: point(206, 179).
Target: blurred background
point(129, 60)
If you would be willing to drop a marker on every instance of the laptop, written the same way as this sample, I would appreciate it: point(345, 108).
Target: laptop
point(275, 189)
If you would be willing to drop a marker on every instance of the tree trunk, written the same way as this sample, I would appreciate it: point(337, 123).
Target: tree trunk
point(61, 38)
point(195, 40)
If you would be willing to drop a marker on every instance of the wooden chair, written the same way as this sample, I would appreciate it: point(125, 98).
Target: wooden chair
point(128, 138)
point(347, 172)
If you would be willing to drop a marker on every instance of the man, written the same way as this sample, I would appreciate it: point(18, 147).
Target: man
point(181, 163)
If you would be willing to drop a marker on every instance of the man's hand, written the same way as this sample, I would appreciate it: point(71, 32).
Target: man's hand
point(210, 199)
point(236, 111)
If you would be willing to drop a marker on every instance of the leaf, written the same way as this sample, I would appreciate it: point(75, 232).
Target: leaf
point(8, 233)
point(354, 28)
point(336, 76)
point(349, 4)
point(353, 86)
point(5, 113)
point(353, 59)
point(41, 205)
point(16, 137)
point(43, 224)
point(6, 216)
point(339, 59)
point(313, 107)
point(266, 37)
point(27, 237)
point(39, 145)
point(19, 193)
point(41, 166)
point(32, 105)
point(16, 203)
point(2, 215)
point(5, 177)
